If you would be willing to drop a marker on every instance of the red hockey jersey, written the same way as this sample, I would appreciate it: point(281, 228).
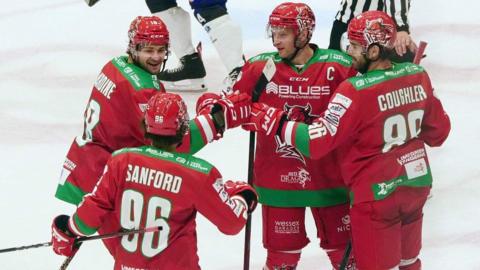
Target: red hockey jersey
point(146, 187)
point(111, 122)
point(283, 177)
point(380, 121)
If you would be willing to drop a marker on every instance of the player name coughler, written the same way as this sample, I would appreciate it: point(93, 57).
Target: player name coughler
point(400, 97)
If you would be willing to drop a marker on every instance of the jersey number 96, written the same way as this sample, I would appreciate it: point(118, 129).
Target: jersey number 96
point(132, 212)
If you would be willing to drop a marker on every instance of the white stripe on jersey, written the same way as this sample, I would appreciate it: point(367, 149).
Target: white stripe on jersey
point(289, 132)
point(207, 129)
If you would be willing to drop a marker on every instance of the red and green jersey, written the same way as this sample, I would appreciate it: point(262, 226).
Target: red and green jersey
point(111, 122)
point(283, 177)
point(146, 187)
point(379, 122)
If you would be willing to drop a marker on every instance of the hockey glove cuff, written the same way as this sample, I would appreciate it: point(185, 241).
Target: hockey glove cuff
point(245, 190)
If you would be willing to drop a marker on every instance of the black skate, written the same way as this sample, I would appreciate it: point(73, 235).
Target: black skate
point(231, 79)
point(189, 76)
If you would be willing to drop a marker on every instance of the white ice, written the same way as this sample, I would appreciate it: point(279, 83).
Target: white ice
point(51, 52)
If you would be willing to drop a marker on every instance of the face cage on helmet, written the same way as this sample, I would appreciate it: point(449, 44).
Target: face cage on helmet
point(271, 29)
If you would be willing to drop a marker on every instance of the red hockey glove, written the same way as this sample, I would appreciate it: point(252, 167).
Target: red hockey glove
point(63, 240)
point(300, 114)
point(245, 190)
point(205, 103)
point(236, 109)
point(265, 119)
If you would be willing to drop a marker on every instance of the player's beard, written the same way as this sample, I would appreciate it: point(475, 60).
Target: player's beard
point(362, 66)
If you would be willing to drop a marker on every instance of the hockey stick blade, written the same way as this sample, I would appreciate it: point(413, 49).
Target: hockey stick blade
point(267, 73)
point(87, 238)
point(91, 2)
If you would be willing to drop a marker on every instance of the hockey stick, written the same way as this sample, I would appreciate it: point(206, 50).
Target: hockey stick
point(87, 238)
point(346, 256)
point(419, 54)
point(416, 60)
point(68, 259)
point(91, 2)
point(267, 74)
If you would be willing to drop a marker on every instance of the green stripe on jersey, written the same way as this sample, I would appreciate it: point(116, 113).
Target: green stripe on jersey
point(196, 139)
point(185, 160)
point(265, 57)
point(82, 227)
point(302, 139)
point(326, 55)
point(378, 76)
point(302, 198)
point(69, 193)
point(137, 76)
point(382, 190)
point(319, 56)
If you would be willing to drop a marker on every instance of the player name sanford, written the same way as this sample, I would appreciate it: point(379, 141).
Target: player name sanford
point(153, 178)
point(400, 97)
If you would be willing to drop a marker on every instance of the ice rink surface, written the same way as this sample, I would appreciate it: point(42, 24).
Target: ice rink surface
point(51, 52)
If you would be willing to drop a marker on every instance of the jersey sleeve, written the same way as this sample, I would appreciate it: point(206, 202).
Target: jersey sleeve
point(227, 213)
point(94, 207)
point(202, 131)
point(436, 123)
point(329, 130)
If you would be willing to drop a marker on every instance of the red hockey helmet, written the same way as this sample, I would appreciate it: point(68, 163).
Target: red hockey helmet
point(147, 30)
point(372, 27)
point(166, 115)
point(298, 16)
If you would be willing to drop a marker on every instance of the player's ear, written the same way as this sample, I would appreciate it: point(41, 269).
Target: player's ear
point(373, 52)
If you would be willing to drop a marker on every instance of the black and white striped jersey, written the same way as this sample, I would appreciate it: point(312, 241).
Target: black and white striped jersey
point(397, 9)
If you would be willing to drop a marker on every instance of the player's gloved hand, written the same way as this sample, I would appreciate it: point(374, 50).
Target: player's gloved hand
point(235, 108)
point(63, 239)
point(265, 119)
point(243, 189)
point(205, 103)
point(300, 114)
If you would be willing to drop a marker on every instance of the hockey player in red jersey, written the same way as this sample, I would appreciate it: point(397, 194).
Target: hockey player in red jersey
point(152, 186)
point(380, 123)
point(114, 111)
point(285, 180)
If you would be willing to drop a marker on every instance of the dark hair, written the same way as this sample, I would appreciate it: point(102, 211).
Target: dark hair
point(385, 53)
point(162, 141)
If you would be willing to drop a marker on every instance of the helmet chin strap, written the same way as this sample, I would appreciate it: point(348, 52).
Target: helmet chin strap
point(297, 50)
